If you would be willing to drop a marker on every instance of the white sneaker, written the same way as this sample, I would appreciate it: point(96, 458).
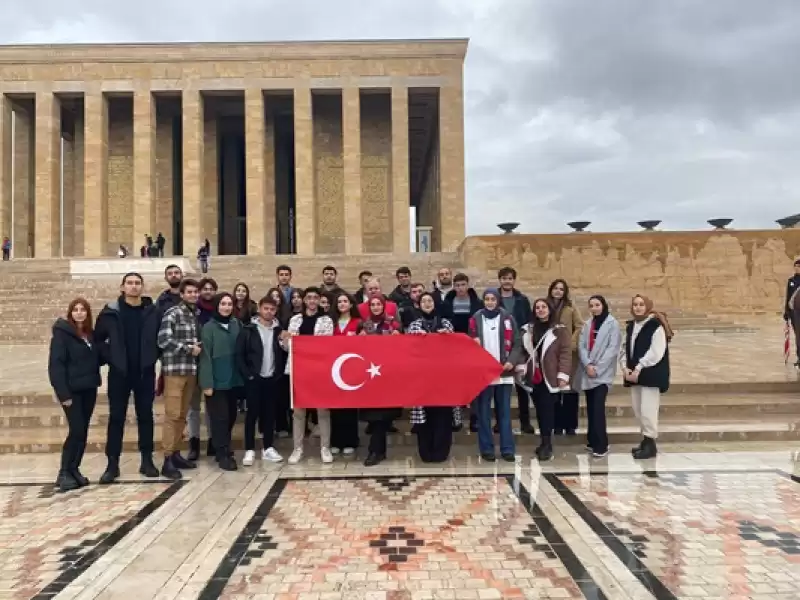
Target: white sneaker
point(349, 451)
point(296, 456)
point(326, 455)
point(271, 455)
point(335, 451)
point(248, 459)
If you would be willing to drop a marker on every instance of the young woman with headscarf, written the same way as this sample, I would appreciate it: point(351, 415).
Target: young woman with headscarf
point(598, 350)
point(645, 368)
point(434, 424)
point(379, 419)
point(567, 314)
point(218, 375)
point(497, 333)
point(547, 370)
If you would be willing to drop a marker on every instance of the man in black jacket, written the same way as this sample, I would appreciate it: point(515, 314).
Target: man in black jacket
point(402, 292)
point(171, 296)
point(518, 304)
point(262, 363)
point(125, 334)
point(409, 309)
point(788, 311)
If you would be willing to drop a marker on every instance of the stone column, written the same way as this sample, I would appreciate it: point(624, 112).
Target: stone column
point(351, 150)
point(193, 137)
point(47, 211)
point(144, 167)
point(270, 231)
point(451, 167)
point(5, 166)
point(95, 173)
point(400, 171)
point(305, 212)
point(254, 135)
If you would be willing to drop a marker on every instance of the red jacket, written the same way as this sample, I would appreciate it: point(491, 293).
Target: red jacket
point(350, 329)
point(391, 310)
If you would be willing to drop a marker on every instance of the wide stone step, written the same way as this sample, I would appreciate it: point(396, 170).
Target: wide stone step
point(621, 432)
point(709, 407)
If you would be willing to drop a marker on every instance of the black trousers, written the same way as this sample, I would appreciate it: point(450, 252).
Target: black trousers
point(120, 388)
point(78, 414)
point(344, 428)
point(379, 431)
point(435, 435)
point(566, 407)
point(6, 254)
point(262, 396)
point(283, 397)
point(523, 402)
point(597, 437)
point(545, 402)
point(221, 408)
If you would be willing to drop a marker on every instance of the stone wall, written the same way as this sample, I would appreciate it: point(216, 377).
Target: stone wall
point(376, 172)
point(732, 271)
point(120, 176)
point(328, 173)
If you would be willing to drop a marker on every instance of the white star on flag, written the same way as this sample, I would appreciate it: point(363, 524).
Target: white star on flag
point(374, 370)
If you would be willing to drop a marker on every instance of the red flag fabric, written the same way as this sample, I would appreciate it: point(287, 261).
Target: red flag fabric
point(389, 371)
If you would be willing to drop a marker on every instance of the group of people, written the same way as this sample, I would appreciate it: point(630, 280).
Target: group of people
point(233, 352)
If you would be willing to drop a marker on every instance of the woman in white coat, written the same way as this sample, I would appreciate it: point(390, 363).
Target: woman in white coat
point(598, 350)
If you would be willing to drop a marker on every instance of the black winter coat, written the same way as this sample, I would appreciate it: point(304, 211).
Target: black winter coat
point(460, 322)
point(109, 337)
point(250, 352)
point(74, 365)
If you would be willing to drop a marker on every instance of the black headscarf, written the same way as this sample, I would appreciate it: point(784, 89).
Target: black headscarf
point(538, 327)
point(428, 318)
point(218, 317)
point(598, 320)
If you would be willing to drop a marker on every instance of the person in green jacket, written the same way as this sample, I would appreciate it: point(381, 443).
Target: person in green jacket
point(218, 376)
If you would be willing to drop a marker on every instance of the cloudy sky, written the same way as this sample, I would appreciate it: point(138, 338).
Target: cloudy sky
point(612, 111)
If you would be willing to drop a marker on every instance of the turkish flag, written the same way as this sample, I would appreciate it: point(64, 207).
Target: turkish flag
point(389, 371)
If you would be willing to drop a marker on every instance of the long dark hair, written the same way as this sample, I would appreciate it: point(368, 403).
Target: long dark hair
point(538, 327)
point(565, 301)
point(284, 312)
point(334, 312)
point(247, 310)
point(86, 328)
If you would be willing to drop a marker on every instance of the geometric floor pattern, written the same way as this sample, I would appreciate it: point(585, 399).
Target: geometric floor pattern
point(47, 539)
point(459, 537)
point(689, 534)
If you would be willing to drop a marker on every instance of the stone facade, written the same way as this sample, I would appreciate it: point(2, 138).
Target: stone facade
point(184, 139)
point(722, 272)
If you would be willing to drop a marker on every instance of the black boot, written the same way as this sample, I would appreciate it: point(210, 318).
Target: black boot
point(112, 471)
point(147, 467)
point(526, 427)
point(210, 450)
point(226, 461)
point(545, 450)
point(194, 449)
point(66, 482)
point(637, 449)
point(648, 450)
point(76, 473)
point(169, 470)
point(473, 424)
point(374, 459)
point(182, 463)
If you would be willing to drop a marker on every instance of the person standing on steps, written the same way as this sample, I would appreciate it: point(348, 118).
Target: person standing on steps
point(310, 322)
point(262, 362)
point(126, 337)
point(598, 351)
point(203, 254)
point(566, 417)
point(74, 371)
point(519, 306)
point(644, 359)
point(219, 377)
point(179, 340)
point(205, 310)
point(547, 368)
point(792, 285)
point(497, 333)
point(160, 243)
point(6, 248)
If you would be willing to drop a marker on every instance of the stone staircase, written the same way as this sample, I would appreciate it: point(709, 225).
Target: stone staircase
point(34, 292)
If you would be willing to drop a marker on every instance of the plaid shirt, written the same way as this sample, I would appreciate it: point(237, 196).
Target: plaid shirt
point(178, 330)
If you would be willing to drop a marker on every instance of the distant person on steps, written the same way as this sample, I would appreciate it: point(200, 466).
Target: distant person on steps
point(126, 336)
point(792, 286)
point(6, 248)
point(74, 371)
point(644, 359)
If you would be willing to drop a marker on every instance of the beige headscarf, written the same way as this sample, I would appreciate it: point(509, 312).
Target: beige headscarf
point(662, 317)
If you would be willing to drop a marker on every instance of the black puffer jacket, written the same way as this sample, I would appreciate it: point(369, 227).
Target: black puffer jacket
point(109, 337)
point(74, 365)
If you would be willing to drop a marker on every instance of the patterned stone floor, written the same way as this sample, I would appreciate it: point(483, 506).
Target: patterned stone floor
point(701, 521)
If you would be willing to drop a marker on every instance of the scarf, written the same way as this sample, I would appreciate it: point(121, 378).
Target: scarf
point(597, 320)
point(381, 317)
point(429, 319)
point(218, 317)
point(650, 311)
point(492, 314)
point(205, 305)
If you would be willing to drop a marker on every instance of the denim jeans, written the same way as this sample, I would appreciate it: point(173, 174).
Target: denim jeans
point(501, 394)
